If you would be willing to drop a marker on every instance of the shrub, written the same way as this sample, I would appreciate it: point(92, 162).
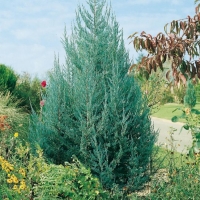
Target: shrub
point(72, 181)
point(93, 109)
point(197, 91)
point(8, 78)
point(190, 96)
point(11, 119)
point(183, 178)
point(24, 176)
point(154, 88)
point(168, 97)
point(179, 94)
point(28, 91)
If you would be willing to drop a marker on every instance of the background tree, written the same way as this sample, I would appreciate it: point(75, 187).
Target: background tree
point(28, 92)
point(8, 78)
point(92, 108)
point(181, 41)
point(155, 87)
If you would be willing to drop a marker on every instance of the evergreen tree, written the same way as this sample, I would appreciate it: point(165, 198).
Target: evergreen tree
point(190, 96)
point(93, 109)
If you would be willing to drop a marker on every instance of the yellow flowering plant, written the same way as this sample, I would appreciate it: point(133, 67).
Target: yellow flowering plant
point(16, 134)
point(20, 172)
point(13, 179)
point(28, 176)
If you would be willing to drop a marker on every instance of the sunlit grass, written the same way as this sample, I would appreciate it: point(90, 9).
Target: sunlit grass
point(169, 110)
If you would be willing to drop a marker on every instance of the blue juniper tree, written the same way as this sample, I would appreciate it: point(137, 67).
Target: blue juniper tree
point(93, 109)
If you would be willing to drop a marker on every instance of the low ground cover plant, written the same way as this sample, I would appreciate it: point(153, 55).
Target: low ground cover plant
point(24, 176)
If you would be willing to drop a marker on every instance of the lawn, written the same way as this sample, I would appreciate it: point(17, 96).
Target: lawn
point(167, 111)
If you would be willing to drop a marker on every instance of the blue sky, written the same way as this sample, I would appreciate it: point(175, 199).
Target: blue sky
point(31, 30)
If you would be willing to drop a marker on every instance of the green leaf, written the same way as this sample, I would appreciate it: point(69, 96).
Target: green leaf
point(186, 127)
point(195, 111)
point(175, 119)
point(198, 144)
point(197, 136)
point(191, 152)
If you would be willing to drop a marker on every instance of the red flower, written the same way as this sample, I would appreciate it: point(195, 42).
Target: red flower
point(43, 83)
point(42, 103)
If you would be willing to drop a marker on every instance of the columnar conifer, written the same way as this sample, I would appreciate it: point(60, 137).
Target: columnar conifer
point(93, 109)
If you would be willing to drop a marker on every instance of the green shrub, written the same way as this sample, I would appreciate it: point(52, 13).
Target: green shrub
point(8, 78)
point(179, 94)
point(12, 119)
point(190, 96)
point(13, 125)
point(28, 91)
point(197, 91)
point(72, 181)
point(167, 97)
point(153, 88)
point(24, 176)
point(183, 178)
point(92, 109)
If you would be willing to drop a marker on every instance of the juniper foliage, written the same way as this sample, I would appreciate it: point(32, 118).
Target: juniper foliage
point(93, 109)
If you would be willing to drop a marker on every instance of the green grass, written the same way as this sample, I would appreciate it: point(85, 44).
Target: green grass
point(162, 157)
point(167, 111)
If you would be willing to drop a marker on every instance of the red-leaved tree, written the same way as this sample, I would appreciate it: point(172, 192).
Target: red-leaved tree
point(180, 45)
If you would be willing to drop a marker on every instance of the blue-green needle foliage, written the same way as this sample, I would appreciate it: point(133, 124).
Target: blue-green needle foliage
point(93, 109)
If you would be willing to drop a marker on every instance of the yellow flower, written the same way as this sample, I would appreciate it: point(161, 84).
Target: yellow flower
point(97, 192)
point(15, 187)
point(23, 181)
point(14, 179)
point(9, 180)
point(187, 111)
point(22, 172)
point(22, 187)
point(11, 167)
point(16, 135)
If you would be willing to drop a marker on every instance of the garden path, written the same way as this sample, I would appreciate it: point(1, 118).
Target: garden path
point(182, 137)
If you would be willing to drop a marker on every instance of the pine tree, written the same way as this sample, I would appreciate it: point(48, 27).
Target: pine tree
point(93, 109)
